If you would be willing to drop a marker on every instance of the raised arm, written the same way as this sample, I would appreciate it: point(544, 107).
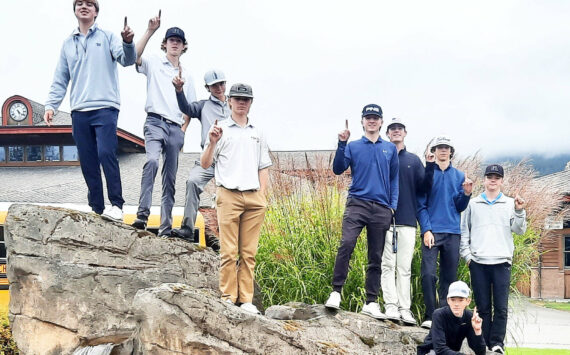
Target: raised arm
point(153, 25)
point(214, 136)
point(341, 160)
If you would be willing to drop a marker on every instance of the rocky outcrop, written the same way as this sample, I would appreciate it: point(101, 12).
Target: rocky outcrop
point(77, 280)
point(73, 276)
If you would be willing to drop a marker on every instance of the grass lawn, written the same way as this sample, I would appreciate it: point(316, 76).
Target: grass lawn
point(562, 306)
point(530, 351)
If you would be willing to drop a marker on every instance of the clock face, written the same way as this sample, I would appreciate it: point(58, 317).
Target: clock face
point(18, 111)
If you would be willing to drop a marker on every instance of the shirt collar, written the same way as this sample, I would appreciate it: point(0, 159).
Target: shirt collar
point(215, 99)
point(484, 196)
point(91, 29)
point(366, 140)
point(234, 123)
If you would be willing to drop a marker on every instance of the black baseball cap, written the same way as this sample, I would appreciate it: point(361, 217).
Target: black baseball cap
point(175, 32)
point(372, 109)
point(495, 169)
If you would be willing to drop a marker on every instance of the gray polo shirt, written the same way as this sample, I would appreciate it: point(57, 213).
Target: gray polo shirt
point(239, 155)
point(161, 95)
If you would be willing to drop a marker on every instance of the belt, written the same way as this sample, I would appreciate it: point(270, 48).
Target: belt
point(156, 115)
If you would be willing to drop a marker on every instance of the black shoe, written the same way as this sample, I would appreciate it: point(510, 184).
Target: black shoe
point(139, 224)
point(213, 243)
point(183, 234)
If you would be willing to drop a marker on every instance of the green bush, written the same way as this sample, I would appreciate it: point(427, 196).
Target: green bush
point(7, 343)
point(300, 238)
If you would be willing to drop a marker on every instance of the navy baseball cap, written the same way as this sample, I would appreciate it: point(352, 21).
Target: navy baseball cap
point(494, 169)
point(175, 32)
point(372, 109)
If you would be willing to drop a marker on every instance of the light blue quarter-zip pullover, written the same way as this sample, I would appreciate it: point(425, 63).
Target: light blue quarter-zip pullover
point(90, 63)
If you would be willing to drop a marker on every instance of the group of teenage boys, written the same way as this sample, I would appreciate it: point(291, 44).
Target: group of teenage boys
point(391, 190)
point(235, 150)
point(390, 193)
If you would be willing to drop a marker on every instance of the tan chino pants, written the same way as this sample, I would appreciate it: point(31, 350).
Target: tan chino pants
point(240, 216)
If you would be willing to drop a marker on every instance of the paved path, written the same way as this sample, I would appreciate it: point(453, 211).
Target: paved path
point(532, 326)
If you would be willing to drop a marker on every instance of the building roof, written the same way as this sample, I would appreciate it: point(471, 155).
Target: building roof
point(559, 180)
point(65, 184)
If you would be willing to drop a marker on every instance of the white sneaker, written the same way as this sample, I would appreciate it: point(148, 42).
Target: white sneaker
point(408, 317)
point(498, 349)
point(249, 307)
point(426, 324)
point(373, 310)
point(333, 301)
point(392, 312)
point(113, 213)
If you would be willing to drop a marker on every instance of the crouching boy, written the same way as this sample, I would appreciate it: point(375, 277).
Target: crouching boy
point(453, 323)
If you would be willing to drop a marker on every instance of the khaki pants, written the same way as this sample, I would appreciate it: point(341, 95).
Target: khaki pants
point(240, 216)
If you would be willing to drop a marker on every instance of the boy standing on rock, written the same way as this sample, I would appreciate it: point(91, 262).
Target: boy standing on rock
point(88, 60)
point(207, 111)
point(440, 220)
point(399, 249)
point(487, 246)
point(372, 200)
point(240, 152)
point(165, 124)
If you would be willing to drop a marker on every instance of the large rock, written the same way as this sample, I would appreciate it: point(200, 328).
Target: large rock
point(77, 281)
point(73, 276)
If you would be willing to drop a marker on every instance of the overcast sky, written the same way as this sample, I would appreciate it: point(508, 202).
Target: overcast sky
point(494, 75)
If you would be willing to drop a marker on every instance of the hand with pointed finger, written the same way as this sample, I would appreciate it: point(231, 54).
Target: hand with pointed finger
point(468, 186)
point(48, 117)
point(215, 133)
point(519, 202)
point(429, 239)
point(344, 134)
point(476, 322)
point(430, 157)
point(127, 33)
point(178, 83)
point(153, 24)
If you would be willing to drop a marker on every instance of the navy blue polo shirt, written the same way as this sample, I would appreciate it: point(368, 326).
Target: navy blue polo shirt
point(374, 169)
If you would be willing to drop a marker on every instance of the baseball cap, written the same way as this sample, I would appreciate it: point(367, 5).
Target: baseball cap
point(494, 169)
point(394, 121)
point(441, 140)
point(372, 109)
point(214, 76)
point(175, 32)
point(458, 289)
point(241, 90)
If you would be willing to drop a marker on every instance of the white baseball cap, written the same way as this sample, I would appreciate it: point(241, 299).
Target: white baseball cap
point(458, 289)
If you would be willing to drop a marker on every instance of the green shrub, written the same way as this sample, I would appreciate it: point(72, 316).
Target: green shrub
point(7, 343)
point(301, 235)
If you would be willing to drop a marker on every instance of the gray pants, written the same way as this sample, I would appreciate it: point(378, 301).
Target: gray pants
point(168, 139)
point(198, 178)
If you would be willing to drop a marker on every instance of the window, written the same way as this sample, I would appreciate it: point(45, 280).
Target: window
point(2, 155)
point(34, 153)
point(52, 153)
point(70, 153)
point(16, 153)
point(567, 251)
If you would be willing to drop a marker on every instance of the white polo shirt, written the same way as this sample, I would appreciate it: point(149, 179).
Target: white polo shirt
point(160, 93)
point(239, 155)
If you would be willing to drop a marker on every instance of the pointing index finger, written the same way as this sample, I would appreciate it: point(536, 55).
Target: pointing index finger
point(179, 71)
point(125, 21)
point(346, 124)
point(215, 122)
point(159, 12)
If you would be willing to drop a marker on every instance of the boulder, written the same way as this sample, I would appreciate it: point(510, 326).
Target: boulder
point(83, 285)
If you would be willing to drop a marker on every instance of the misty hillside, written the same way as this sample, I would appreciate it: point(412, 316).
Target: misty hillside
point(543, 164)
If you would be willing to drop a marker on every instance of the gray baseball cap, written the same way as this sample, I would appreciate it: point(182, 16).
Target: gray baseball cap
point(214, 76)
point(458, 289)
point(241, 90)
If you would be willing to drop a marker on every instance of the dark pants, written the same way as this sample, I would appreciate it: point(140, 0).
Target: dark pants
point(166, 139)
point(491, 285)
point(447, 246)
point(357, 215)
point(95, 135)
